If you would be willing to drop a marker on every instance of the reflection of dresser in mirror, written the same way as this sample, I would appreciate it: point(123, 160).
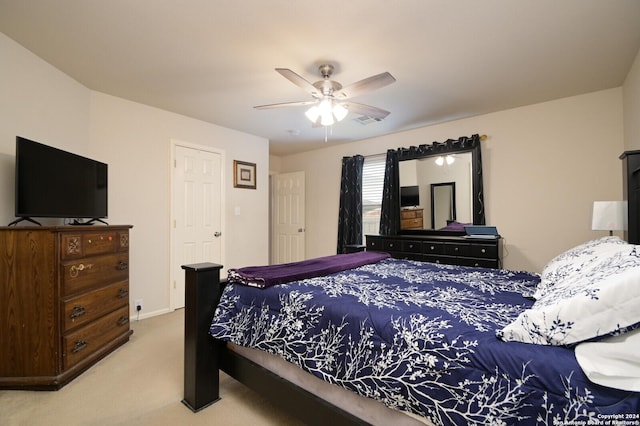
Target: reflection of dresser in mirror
point(411, 219)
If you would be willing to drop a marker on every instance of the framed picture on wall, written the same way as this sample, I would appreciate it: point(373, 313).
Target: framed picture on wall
point(244, 174)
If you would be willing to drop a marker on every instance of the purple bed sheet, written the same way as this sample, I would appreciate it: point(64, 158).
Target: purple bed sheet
point(266, 276)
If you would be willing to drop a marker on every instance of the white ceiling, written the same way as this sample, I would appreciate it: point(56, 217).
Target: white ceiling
point(214, 59)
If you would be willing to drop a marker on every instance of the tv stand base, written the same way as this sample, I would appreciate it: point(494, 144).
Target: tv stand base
point(89, 222)
point(28, 219)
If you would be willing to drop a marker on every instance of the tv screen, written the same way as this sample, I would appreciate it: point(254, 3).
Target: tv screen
point(51, 182)
point(409, 196)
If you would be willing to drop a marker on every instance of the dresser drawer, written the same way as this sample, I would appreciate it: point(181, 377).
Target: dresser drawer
point(92, 243)
point(410, 223)
point(80, 344)
point(455, 249)
point(430, 247)
point(480, 263)
point(443, 260)
point(392, 245)
point(122, 240)
point(411, 246)
point(89, 306)
point(375, 243)
point(484, 251)
point(84, 274)
point(411, 214)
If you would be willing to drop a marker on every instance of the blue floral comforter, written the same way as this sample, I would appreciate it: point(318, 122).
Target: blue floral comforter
point(420, 337)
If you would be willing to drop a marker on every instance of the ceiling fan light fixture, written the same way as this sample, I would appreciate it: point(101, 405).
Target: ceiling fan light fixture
point(326, 111)
point(313, 113)
point(327, 119)
point(340, 112)
point(449, 159)
point(325, 107)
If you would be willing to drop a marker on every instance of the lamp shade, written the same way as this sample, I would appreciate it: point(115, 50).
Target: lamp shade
point(313, 113)
point(340, 112)
point(609, 216)
point(327, 112)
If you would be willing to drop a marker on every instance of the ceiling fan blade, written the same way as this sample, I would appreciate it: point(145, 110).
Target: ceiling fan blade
point(298, 81)
point(363, 86)
point(368, 110)
point(285, 104)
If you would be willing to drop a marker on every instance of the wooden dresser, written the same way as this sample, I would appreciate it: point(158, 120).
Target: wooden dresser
point(412, 219)
point(452, 250)
point(64, 301)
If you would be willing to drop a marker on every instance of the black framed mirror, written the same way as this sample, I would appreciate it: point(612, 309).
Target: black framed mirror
point(455, 163)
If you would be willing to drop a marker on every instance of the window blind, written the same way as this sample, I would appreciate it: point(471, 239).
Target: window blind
point(373, 179)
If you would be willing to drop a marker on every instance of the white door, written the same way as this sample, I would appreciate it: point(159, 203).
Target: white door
point(197, 213)
point(288, 220)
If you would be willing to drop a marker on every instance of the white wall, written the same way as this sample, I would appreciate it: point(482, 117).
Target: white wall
point(544, 165)
point(135, 140)
point(37, 102)
point(631, 99)
point(44, 104)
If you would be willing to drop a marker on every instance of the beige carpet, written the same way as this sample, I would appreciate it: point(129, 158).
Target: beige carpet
point(138, 384)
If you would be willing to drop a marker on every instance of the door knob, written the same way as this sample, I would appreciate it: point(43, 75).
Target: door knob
point(300, 229)
point(217, 234)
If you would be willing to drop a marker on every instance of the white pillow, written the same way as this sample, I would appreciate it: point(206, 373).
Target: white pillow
point(571, 262)
point(601, 298)
point(612, 362)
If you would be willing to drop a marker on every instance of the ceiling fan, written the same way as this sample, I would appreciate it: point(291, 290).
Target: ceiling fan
point(331, 100)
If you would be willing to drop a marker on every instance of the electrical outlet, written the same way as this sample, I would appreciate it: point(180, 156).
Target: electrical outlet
point(138, 305)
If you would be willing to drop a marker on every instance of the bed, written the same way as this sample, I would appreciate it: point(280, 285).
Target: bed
point(448, 345)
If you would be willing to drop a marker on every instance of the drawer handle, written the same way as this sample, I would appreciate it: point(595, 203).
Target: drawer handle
point(483, 251)
point(80, 345)
point(123, 292)
point(477, 264)
point(123, 320)
point(456, 248)
point(122, 266)
point(75, 270)
point(78, 311)
point(390, 244)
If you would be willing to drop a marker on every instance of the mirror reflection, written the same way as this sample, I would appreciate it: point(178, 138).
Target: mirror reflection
point(443, 204)
point(435, 190)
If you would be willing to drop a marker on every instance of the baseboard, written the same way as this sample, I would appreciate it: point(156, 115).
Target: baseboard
point(135, 316)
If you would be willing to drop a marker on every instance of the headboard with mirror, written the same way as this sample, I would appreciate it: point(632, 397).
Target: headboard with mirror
point(448, 176)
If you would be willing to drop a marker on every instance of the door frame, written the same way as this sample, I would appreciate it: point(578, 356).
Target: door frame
point(172, 148)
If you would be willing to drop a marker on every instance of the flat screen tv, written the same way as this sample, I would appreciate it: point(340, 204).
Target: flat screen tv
point(409, 196)
point(54, 183)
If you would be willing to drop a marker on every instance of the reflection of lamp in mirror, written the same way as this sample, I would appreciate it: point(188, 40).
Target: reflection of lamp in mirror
point(609, 216)
point(448, 159)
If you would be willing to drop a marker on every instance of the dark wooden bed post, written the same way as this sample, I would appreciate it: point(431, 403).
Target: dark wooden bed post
point(201, 352)
point(205, 356)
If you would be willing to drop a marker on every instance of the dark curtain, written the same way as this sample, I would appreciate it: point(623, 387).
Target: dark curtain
point(390, 214)
point(350, 213)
